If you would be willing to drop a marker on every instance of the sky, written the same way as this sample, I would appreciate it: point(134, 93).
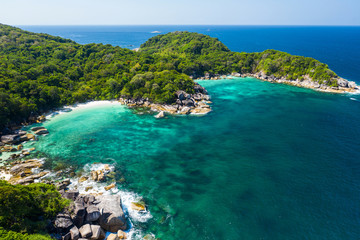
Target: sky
point(184, 12)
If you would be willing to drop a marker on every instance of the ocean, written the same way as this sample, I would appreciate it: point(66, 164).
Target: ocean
point(270, 161)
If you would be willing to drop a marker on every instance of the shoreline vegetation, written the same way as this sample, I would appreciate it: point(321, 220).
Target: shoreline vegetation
point(40, 73)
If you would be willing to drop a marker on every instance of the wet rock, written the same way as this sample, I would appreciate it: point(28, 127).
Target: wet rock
point(185, 110)
point(98, 176)
point(83, 179)
point(93, 213)
point(29, 179)
point(23, 138)
point(113, 236)
point(138, 206)
point(149, 237)
point(74, 232)
point(121, 234)
point(41, 132)
point(34, 129)
point(113, 217)
point(85, 231)
point(107, 188)
point(25, 166)
point(30, 136)
point(10, 139)
point(160, 115)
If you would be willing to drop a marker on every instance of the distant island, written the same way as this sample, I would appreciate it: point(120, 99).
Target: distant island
point(40, 72)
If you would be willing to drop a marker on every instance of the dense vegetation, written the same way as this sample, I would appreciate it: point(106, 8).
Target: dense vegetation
point(196, 54)
point(24, 209)
point(39, 72)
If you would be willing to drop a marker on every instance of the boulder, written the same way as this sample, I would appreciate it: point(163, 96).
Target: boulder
point(34, 129)
point(41, 132)
point(83, 179)
point(107, 188)
point(63, 184)
point(63, 221)
point(189, 102)
point(160, 115)
point(138, 206)
point(181, 95)
point(121, 234)
point(113, 217)
point(30, 136)
point(72, 194)
point(85, 231)
point(112, 236)
point(96, 232)
point(93, 213)
point(25, 166)
point(185, 110)
point(74, 232)
point(10, 139)
point(30, 179)
point(67, 236)
point(351, 84)
point(98, 176)
point(342, 82)
point(23, 138)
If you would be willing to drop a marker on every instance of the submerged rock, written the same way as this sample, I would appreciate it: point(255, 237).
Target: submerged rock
point(41, 132)
point(160, 115)
point(138, 206)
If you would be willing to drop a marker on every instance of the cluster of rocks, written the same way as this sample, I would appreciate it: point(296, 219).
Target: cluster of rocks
point(197, 103)
point(90, 217)
point(24, 172)
point(209, 76)
point(343, 84)
point(12, 142)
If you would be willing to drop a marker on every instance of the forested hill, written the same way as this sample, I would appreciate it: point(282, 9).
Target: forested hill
point(196, 54)
point(39, 72)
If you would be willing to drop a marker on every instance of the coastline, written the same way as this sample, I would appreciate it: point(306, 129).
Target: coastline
point(351, 87)
point(96, 180)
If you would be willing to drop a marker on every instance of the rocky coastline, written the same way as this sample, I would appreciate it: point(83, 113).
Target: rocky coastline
point(96, 209)
point(185, 103)
point(344, 86)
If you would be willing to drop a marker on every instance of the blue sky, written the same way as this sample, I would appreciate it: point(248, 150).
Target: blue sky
point(184, 12)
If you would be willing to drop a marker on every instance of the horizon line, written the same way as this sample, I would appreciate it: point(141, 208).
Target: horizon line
point(142, 25)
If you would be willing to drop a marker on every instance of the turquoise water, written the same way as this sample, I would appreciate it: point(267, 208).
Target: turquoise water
point(270, 161)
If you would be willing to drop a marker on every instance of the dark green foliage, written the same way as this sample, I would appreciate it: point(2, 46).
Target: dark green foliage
point(24, 208)
point(11, 235)
point(39, 72)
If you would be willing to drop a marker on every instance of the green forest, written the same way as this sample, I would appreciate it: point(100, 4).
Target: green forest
point(39, 72)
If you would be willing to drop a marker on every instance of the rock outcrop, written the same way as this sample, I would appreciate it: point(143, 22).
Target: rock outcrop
point(185, 103)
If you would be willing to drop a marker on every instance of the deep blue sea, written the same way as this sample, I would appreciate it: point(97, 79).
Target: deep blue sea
point(270, 161)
